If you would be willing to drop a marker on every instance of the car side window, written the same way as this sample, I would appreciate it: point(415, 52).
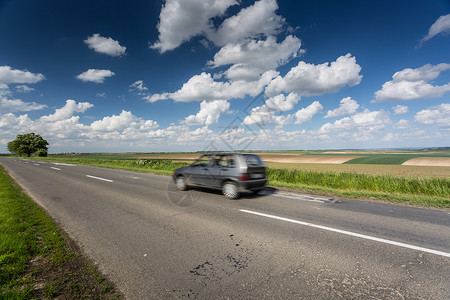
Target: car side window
point(226, 161)
point(203, 161)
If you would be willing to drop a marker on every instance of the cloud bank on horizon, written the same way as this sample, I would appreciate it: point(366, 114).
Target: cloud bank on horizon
point(258, 80)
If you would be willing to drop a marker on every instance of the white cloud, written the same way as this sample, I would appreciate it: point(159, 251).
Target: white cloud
point(114, 122)
point(203, 87)
point(209, 113)
point(24, 88)
point(348, 106)
point(400, 109)
point(267, 113)
point(13, 105)
point(402, 124)
point(138, 85)
point(71, 107)
point(367, 121)
point(94, 75)
point(305, 115)
point(411, 84)
point(309, 79)
point(251, 58)
point(105, 45)
point(253, 21)
point(438, 115)
point(441, 26)
point(9, 75)
point(181, 20)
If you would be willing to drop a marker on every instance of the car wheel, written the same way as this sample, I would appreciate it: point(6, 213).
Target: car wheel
point(230, 190)
point(181, 183)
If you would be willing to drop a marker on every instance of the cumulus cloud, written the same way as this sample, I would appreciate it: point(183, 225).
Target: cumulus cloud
point(305, 115)
point(95, 75)
point(204, 87)
point(348, 106)
point(400, 109)
point(402, 124)
point(15, 105)
point(441, 26)
point(105, 45)
point(209, 113)
point(267, 113)
point(435, 115)
point(253, 21)
point(309, 79)
point(114, 122)
point(9, 75)
point(412, 84)
point(249, 59)
point(367, 121)
point(180, 20)
point(69, 109)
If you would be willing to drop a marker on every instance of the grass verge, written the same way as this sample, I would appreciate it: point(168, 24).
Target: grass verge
point(36, 260)
point(428, 192)
point(423, 191)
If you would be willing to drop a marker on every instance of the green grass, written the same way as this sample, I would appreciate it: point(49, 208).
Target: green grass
point(35, 258)
point(431, 191)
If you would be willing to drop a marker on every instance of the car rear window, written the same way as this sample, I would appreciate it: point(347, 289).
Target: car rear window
point(253, 160)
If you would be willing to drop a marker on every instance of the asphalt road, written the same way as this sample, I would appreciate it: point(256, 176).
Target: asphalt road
point(157, 243)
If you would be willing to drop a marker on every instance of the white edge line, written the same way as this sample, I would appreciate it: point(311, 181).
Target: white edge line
point(367, 237)
point(55, 168)
point(99, 178)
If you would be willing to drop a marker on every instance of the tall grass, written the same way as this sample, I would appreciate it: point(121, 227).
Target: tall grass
point(439, 187)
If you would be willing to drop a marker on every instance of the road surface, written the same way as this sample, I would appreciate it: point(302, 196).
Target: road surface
point(157, 243)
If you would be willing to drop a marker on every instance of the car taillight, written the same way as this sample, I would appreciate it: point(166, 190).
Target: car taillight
point(243, 177)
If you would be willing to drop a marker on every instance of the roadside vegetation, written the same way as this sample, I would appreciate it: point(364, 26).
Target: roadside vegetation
point(36, 260)
point(428, 191)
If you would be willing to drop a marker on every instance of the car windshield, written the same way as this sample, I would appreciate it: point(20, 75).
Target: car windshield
point(253, 160)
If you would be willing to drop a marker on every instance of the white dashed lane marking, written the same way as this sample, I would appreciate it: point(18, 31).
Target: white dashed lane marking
point(99, 178)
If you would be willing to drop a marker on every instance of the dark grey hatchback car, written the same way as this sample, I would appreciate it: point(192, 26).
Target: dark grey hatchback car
point(230, 172)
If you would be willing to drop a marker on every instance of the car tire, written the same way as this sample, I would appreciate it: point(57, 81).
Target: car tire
point(181, 183)
point(230, 190)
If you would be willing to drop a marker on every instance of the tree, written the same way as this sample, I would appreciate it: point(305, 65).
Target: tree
point(27, 144)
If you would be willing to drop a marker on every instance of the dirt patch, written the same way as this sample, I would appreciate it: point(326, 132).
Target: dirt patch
point(428, 161)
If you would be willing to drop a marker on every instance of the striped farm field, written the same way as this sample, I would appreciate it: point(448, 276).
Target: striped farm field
point(395, 170)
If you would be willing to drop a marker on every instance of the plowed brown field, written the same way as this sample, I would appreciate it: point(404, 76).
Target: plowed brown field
point(428, 161)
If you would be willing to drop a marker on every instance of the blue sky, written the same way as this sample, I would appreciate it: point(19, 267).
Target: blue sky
point(189, 75)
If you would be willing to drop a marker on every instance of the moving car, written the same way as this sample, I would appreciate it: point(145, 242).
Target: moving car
point(230, 172)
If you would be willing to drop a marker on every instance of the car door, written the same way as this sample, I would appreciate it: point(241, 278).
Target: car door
point(212, 174)
point(227, 168)
point(198, 170)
